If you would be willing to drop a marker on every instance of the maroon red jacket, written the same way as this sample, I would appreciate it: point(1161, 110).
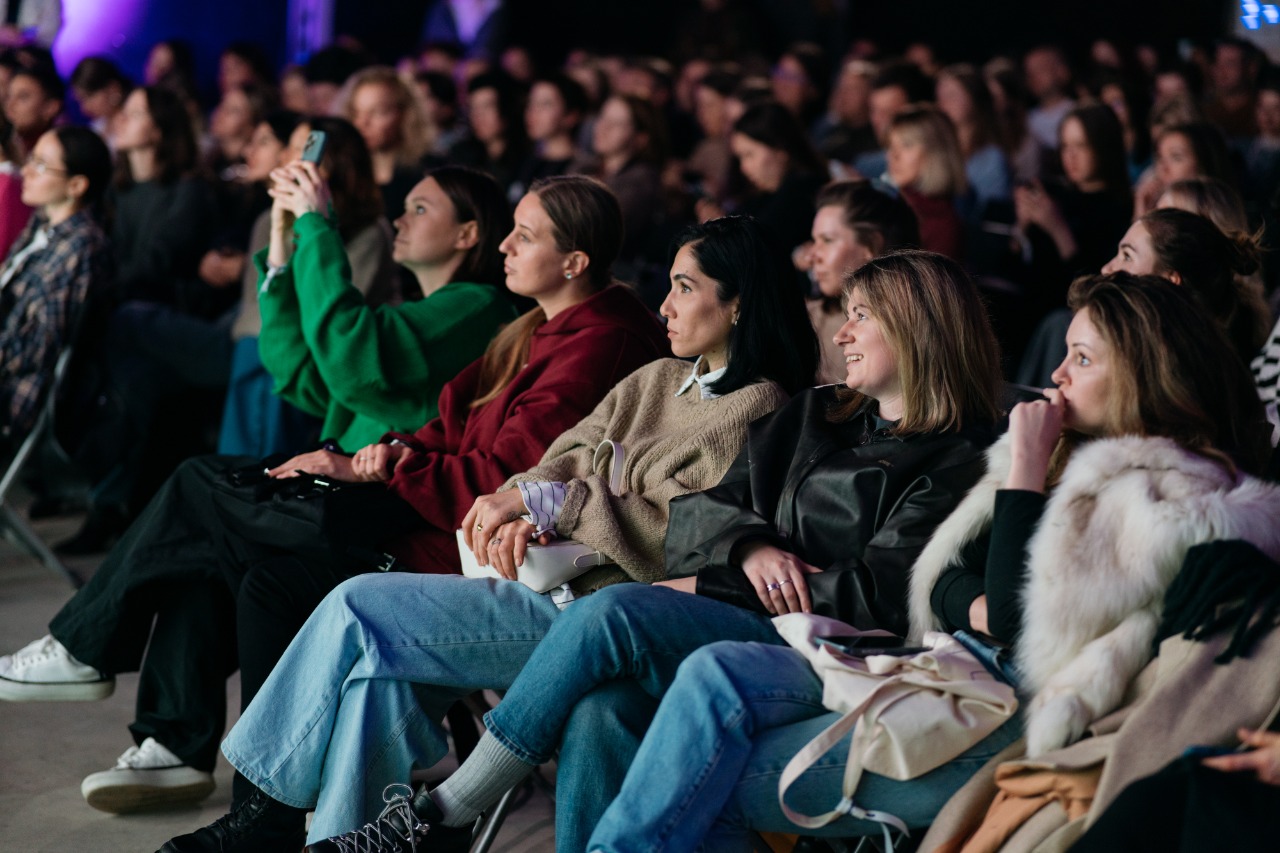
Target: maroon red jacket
point(574, 360)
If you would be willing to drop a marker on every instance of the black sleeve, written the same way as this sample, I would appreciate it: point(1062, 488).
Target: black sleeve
point(992, 565)
point(1016, 515)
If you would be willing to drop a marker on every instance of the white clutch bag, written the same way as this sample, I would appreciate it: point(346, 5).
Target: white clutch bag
point(548, 566)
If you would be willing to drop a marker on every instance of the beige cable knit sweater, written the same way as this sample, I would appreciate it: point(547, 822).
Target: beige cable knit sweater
point(674, 445)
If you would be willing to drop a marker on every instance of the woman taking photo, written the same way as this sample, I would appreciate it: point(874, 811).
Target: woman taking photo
point(855, 222)
point(894, 451)
point(1138, 410)
point(231, 595)
point(56, 263)
point(925, 164)
point(680, 429)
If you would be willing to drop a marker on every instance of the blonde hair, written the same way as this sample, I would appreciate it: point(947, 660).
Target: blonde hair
point(416, 133)
point(934, 321)
point(942, 171)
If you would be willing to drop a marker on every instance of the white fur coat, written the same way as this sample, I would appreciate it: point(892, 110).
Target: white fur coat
point(1113, 535)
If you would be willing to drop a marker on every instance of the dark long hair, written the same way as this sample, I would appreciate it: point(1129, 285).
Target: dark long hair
point(176, 151)
point(476, 197)
point(772, 337)
point(1106, 139)
point(585, 217)
point(1173, 374)
point(84, 153)
point(356, 198)
point(771, 124)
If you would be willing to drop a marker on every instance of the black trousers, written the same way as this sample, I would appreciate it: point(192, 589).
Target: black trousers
point(216, 598)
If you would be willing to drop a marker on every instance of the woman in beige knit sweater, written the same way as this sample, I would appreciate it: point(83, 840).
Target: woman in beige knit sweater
point(356, 700)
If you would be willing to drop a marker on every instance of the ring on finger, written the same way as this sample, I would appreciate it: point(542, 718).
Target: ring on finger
point(781, 582)
point(497, 540)
point(771, 587)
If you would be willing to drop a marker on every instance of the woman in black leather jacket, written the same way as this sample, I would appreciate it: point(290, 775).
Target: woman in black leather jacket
point(826, 508)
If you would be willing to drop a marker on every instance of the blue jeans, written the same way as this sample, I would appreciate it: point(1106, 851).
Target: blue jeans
point(626, 631)
point(706, 776)
point(356, 701)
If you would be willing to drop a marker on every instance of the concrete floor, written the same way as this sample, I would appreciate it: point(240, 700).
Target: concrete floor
point(47, 748)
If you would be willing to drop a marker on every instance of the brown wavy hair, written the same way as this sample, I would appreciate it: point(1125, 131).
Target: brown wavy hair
point(1173, 374)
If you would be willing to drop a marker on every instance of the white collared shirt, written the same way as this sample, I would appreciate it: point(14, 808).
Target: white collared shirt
point(703, 381)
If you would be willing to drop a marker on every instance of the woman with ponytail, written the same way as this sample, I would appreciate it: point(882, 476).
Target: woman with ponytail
point(1186, 249)
point(1190, 250)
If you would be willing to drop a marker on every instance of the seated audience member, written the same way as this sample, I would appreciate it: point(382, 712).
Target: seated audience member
point(14, 214)
point(170, 63)
point(556, 106)
point(1191, 251)
point(439, 95)
point(896, 85)
point(1129, 102)
point(870, 469)
point(100, 88)
point(327, 71)
point(964, 98)
point(1233, 75)
point(162, 218)
point(927, 167)
point(231, 128)
point(1025, 154)
point(32, 105)
point(1262, 151)
point(680, 428)
point(243, 63)
point(782, 169)
point(1048, 80)
point(218, 595)
point(497, 143)
point(855, 222)
point(800, 80)
point(1183, 151)
point(1134, 426)
point(59, 260)
point(710, 165)
point(256, 421)
point(390, 118)
point(1188, 250)
point(845, 131)
point(1069, 228)
point(630, 140)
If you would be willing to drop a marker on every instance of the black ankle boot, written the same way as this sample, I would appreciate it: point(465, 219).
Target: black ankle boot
point(405, 825)
point(258, 825)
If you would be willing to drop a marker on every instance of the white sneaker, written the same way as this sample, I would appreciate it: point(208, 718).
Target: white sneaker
point(46, 671)
point(146, 777)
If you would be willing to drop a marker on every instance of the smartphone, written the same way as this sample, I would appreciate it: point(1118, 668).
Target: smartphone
point(1207, 751)
point(854, 644)
point(314, 149)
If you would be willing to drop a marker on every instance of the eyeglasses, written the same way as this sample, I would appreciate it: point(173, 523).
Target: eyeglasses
point(40, 167)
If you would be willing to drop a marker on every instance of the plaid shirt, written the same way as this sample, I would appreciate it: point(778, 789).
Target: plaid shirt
point(39, 306)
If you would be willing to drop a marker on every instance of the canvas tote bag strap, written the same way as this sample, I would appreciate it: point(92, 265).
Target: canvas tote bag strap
point(615, 472)
point(819, 747)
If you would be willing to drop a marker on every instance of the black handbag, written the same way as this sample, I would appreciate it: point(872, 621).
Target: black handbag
point(314, 516)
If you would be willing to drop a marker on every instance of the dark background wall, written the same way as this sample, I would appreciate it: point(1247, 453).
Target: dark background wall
point(960, 29)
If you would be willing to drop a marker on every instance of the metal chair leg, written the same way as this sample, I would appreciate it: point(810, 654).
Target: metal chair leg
point(493, 823)
point(15, 529)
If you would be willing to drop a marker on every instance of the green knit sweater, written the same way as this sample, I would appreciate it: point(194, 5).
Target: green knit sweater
point(366, 371)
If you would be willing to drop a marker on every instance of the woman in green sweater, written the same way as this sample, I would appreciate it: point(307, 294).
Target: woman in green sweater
point(368, 371)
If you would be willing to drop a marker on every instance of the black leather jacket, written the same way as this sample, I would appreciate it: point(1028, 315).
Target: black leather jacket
point(852, 500)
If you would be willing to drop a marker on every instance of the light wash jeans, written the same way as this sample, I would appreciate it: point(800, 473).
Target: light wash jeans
point(706, 775)
point(356, 701)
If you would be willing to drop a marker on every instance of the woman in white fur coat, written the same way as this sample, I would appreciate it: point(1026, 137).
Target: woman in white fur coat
point(1144, 448)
